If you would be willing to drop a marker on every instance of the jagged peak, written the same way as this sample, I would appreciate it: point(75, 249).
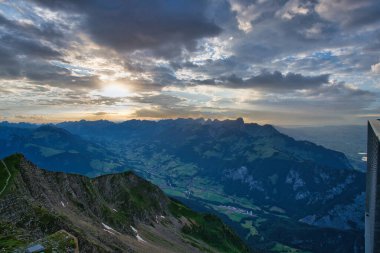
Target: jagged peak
point(16, 156)
point(270, 127)
point(50, 127)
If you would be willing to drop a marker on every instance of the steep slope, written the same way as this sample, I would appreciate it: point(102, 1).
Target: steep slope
point(111, 213)
point(351, 140)
point(253, 176)
point(247, 158)
point(54, 148)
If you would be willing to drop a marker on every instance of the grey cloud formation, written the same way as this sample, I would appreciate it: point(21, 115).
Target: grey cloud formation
point(161, 100)
point(300, 26)
point(191, 58)
point(272, 81)
point(46, 30)
point(338, 99)
point(162, 26)
point(4, 91)
point(82, 100)
point(26, 51)
point(349, 13)
point(102, 113)
point(17, 45)
point(27, 47)
point(190, 112)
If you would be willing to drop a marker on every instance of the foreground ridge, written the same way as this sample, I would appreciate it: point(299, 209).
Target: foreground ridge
point(111, 213)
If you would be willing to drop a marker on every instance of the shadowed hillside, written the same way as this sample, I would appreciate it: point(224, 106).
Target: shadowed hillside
point(111, 213)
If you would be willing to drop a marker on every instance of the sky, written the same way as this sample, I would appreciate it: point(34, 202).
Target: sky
point(283, 62)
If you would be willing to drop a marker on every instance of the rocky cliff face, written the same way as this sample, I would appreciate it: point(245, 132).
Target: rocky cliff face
point(111, 213)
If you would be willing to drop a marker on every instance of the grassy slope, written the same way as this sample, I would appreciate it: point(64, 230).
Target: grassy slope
point(206, 232)
point(208, 228)
point(259, 235)
point(3, 176)
point(12, 163)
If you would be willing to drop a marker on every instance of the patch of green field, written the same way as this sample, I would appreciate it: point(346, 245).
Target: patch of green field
point(11, 237)
point(102, 165)
point(12, 164)
point(212, 154)
point(204, 182)
point(174, 192)
point(185, 170)
point(259, 221)
point(45, 151)
point(234, 216)
point(209, 195)
point(246, 203)
point(277, 210)
point(57, 242)
point(252, 230)
point(281, 248)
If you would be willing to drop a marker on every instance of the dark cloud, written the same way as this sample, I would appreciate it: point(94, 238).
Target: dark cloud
point(163, 26)
point(25, 53)
point(160, 113)
point(204, 42)
point(82, 99)
point(9, 66)
point(275, 81)
point(343, 97)
point(161, 100)
point(190, 112)
point(350, 13)
point(337, 99)
point(225, 66)
point(46, 30)
point(18, 46)
point(30, 118)
point(27, 47)
point(102, 113)
point(41, 72)
point(282, 29)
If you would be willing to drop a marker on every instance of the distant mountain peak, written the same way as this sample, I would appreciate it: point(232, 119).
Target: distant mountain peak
point(53, 129)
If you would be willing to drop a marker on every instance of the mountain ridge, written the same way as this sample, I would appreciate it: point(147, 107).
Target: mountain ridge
point(57, 149)
point(252, 176)
point(112, 213)
point(227, 161)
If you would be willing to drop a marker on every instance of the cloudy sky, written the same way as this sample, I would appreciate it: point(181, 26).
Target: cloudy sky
point(270, 61)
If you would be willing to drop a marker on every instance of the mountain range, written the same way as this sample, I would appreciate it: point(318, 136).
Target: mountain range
point(277, 193)
point(59, 150)
point(349, 139)
point(111, 213)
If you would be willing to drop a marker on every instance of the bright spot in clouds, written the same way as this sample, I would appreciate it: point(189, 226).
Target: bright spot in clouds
point(279, 62)
point(113, 91)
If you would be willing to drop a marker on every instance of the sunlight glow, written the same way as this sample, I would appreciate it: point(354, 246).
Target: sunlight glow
point(113, 91)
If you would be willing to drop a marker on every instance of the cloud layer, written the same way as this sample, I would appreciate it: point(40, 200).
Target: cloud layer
point(272, 62)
